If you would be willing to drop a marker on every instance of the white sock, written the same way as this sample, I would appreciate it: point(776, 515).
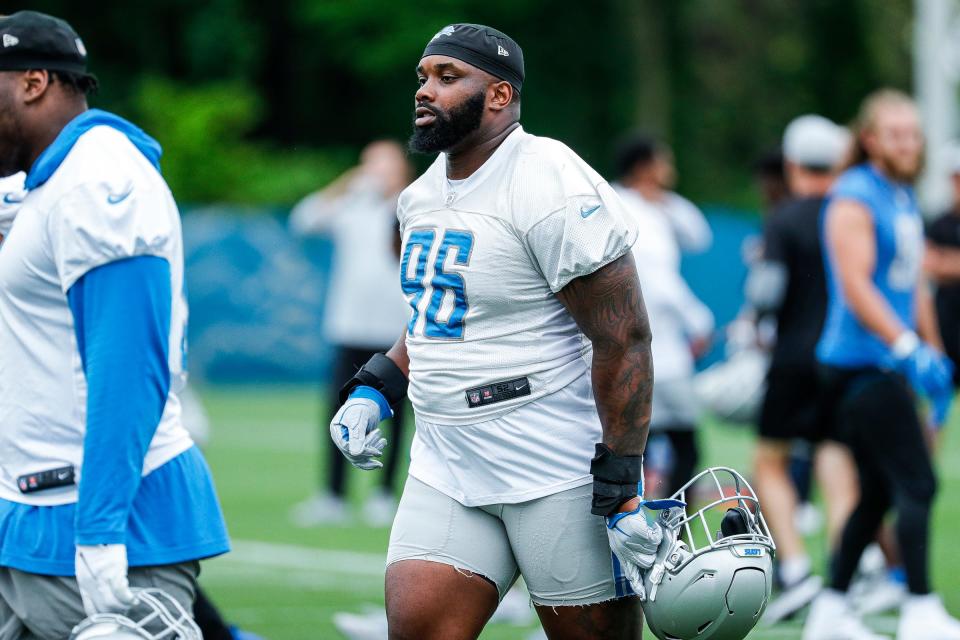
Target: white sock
point(793, 570)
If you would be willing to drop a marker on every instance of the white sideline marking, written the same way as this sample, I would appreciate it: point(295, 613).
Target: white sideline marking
point(301, 580)
point(288, 556)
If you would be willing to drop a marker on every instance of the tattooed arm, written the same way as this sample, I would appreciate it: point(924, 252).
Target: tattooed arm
point(608, 307)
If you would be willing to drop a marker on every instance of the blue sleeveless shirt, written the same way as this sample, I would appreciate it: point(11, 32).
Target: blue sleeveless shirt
point(898, 234)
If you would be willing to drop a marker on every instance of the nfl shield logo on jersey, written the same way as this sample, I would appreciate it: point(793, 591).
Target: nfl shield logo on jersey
point(474, 397)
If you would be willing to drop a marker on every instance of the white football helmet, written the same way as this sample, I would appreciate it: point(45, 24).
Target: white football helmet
point(154, 616)
point(709, 584)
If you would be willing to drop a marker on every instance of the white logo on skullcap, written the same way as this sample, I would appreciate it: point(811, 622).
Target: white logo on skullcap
point(10, 40)
point(501, 51)
point(446, 31)
point(82, 49)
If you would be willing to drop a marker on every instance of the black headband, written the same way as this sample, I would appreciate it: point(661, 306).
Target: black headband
point(483, 47)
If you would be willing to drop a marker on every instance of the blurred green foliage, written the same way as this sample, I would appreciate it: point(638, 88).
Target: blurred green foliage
point(207, 156)
point(259, 102)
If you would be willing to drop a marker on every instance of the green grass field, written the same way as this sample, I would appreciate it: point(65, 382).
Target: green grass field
point(286, 583)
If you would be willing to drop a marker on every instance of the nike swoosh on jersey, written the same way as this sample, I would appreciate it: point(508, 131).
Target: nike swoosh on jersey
point(117, 198)
point(11, 198)
point(586, 213)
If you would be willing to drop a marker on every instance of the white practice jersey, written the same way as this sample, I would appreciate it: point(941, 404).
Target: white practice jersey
point(105, 202)
point(11, 194)
point(482, 260)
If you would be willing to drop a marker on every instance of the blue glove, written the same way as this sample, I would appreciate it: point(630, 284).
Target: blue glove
point(929, 372)
point(941, 407)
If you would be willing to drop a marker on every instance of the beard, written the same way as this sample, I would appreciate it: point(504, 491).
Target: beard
point(900, 171)
point(450, 127)
point(11, 145)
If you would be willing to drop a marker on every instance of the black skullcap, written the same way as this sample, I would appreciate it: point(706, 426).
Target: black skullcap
point(33, 40)
point(485, 48)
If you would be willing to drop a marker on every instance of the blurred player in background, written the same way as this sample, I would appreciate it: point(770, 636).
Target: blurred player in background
point(92, 319)
point(528, 344)
point(194, 419)
point(364, 307)
point(681, 325)
point(652, 176)
point(942, 263)
point(771, 180)
point(789, 284)
point(880, 339)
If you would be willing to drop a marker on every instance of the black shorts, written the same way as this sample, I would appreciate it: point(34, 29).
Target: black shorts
point(792, 407)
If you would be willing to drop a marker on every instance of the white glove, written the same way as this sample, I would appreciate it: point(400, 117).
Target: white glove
point(354, 431)
point(102, 578)
point(635, 541)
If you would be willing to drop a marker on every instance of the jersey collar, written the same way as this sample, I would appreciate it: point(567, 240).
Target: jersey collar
point(52, 157)
point(451, 193)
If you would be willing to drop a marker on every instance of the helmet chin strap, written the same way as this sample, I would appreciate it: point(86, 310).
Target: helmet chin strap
point(666, 552)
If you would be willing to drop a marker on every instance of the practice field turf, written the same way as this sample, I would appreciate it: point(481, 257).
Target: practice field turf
point(286, 583)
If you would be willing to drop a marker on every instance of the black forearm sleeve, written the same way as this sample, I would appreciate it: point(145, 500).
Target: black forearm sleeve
point(615, 479)
point(382, 374)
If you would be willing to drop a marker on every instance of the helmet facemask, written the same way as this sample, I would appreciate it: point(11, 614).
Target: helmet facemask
point(154, 616)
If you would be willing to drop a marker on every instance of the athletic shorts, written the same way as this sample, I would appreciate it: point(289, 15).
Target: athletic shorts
point(843, 389)
point(793, 406)
point(554, 542)
point(38, 607)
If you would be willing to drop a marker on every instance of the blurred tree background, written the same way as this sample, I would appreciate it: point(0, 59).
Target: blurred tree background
point(259, 102)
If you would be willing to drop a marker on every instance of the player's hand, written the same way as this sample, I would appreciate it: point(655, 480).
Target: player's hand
point(354, 431)
point(102, 577)
point(635, 539)
point(929, 371)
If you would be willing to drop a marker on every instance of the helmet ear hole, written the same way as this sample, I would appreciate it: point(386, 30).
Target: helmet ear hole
point(737, 521)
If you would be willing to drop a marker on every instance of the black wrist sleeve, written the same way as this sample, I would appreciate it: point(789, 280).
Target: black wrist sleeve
point(382, 374)
point(615, 479)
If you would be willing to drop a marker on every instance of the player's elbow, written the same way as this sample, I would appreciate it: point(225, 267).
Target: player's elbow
point(629, 337)
point(640, 334)
point(636, 335)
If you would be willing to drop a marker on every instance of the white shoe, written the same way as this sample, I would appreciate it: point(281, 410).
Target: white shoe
point(877, 594)
point(318, 510)
point(832, 618)
point(362, 626)
point(872, 561)
point(515, 608)
point(924, 618)
point(792, 599)
point(379, 509)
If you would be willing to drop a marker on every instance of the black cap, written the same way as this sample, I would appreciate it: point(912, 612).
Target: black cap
point(485, 48)
point(33, 40)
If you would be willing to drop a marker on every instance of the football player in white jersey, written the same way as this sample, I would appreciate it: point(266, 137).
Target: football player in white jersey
point(101, 488)
point(527, 355)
